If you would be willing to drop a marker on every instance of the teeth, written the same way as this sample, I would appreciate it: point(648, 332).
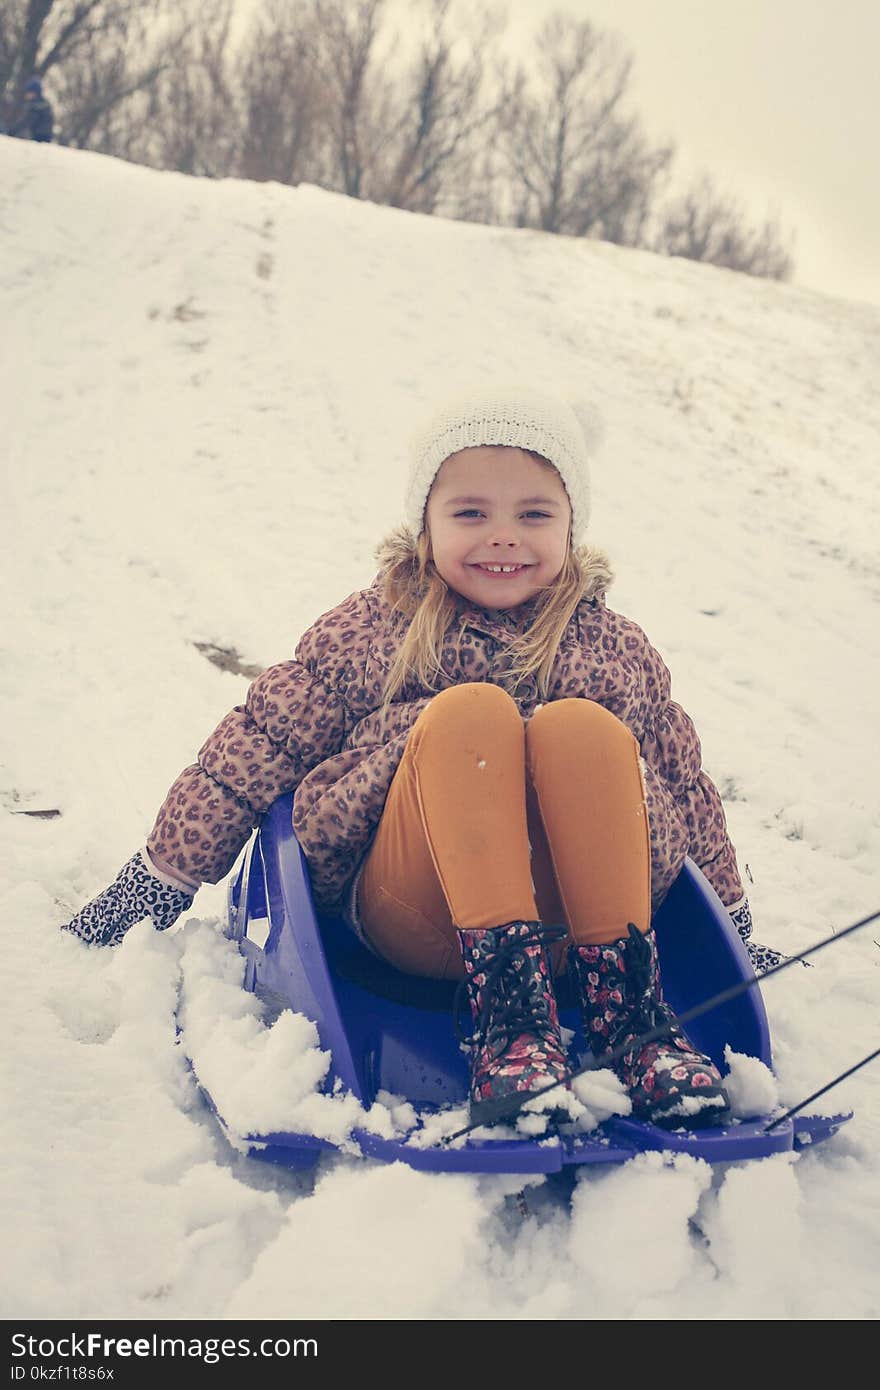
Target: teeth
point(500, 569)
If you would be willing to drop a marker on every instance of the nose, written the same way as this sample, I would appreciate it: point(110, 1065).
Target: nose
point(504, 538)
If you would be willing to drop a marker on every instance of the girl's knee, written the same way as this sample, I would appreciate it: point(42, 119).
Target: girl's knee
point(476, 702)
point(578, 719)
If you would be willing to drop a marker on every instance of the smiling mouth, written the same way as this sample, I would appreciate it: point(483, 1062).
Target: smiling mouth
point(499, 569)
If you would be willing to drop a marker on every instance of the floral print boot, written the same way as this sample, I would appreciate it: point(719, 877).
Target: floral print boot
point(669, 1081)
point(515, 1044)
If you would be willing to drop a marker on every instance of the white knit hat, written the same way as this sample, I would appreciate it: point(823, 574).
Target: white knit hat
point(517, 416)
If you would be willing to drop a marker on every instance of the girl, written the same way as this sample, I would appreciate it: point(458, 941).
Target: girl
point(481, 751)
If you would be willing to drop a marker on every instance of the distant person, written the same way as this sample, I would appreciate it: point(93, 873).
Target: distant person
point(36, 120)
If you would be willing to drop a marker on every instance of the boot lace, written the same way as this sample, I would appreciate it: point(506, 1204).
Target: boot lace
point(647, 1009)
point(509, 1003)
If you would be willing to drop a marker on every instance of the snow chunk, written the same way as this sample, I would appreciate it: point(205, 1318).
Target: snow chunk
point(751, 1086)
point(263, 1079)
point(602, 1093)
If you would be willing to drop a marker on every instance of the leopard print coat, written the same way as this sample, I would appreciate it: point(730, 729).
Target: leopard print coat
point(315, 725)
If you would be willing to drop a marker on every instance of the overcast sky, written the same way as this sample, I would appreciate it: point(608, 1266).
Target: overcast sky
point(778, 99)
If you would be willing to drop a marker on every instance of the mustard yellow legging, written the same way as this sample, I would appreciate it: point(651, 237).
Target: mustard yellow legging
point(491, 819)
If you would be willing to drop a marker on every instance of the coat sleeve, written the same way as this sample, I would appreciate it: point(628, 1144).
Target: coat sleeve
point(672, 756)
point(293, 718)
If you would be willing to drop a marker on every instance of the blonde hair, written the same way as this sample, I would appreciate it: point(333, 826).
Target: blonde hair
point(414, 588)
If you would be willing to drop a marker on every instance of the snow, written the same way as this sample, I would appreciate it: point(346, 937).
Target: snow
point(208, 388)
point(751, 1087)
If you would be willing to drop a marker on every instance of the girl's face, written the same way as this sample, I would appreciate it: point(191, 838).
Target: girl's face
point(499, 522)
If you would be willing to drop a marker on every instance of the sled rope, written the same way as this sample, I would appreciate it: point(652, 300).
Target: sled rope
point(510, 1106)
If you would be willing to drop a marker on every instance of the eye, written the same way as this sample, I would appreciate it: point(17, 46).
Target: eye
point(468, 512)
point(541, 516)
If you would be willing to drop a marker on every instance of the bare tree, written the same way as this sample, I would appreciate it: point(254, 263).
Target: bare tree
point(187, 119)
point(346, 33)
point(577, 164)
point(434, 116)
point(285, 108)
point(705, 225)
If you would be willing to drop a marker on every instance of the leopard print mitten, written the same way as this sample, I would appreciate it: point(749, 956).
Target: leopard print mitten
point(135, 893)
point(763, 958)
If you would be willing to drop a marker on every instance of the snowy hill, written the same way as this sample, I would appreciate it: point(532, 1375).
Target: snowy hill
point(208, 388)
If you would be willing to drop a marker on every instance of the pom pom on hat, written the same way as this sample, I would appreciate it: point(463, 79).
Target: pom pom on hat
point(519, 417)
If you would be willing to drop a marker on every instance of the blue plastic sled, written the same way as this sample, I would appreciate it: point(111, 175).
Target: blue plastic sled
point(391, 1032)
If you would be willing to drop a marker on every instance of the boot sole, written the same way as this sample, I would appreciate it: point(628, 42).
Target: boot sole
point(704, 1118)
point(507, 1109)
